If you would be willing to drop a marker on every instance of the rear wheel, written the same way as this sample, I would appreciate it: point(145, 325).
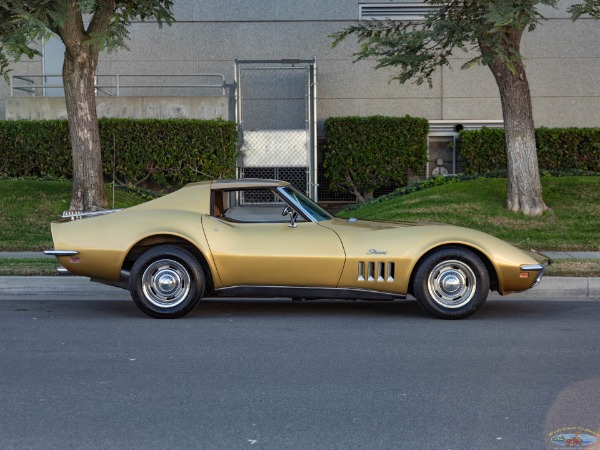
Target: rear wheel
point(452, 283)
point(166, 282)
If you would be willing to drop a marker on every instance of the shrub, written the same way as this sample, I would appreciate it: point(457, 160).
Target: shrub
point(363, 154)
point(559, 149)
point(172, 151)
point(562, 149)
point(482, 150)
point(35, 148)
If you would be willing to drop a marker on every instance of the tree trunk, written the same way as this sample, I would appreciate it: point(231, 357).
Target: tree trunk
point(361, 197)
point(524, 185)
point(78, 78)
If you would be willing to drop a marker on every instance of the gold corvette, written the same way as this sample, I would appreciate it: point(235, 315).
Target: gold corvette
point(262, 238)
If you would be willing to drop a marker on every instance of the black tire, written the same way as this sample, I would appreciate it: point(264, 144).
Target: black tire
point(166, 282)
point(451, 283)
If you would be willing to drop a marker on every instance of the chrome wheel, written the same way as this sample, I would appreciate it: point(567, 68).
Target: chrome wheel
point(452, 284)
point(166, 283)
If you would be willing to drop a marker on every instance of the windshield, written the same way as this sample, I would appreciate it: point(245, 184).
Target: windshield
point(309, 207)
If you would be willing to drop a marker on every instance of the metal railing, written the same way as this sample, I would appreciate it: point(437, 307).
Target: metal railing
point(117, 84)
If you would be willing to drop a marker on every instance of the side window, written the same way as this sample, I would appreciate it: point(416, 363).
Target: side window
point(249, 205)
point(220, 203)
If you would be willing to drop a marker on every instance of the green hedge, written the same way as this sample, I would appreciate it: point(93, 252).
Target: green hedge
point(35, 148)
point(559, 149)
point(363, 154)
point(169, 152)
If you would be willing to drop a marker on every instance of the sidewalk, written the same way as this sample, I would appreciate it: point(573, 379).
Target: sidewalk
point(572, 255)
point(553, 255)
point(23, 255)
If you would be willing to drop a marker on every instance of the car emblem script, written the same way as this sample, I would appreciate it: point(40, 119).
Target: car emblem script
point(376, 252)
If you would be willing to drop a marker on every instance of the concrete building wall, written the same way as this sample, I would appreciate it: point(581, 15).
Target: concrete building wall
point(45, 108)
point(563, 61)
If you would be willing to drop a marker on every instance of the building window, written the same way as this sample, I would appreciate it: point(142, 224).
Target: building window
point(53, 56)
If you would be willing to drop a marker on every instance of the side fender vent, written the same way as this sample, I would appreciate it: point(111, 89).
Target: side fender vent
point(379, 271)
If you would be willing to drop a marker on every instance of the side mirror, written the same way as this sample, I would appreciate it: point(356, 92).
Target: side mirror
point(293, 216)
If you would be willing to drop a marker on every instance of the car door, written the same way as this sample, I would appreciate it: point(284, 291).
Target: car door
point(274, 254)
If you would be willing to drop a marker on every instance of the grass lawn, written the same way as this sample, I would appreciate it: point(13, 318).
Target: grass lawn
point(572, 224)
point(28, 267)
point(574, 268)
point(28, 206)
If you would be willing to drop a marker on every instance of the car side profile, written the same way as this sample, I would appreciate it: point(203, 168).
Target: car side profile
point(263, 238)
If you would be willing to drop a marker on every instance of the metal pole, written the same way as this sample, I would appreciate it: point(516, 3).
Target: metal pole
point(454, 155)
point(315, 180)
point(308, 188)
point(238, 119)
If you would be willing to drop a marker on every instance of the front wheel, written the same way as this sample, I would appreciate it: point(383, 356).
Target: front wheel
point(166, 282)
point(451, 283)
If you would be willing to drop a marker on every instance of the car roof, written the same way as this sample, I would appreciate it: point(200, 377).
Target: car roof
point(246, 183)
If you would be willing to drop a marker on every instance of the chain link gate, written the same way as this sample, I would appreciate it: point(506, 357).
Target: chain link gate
point(276, 117)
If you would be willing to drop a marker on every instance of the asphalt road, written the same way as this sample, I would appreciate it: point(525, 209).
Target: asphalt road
point(92, 372)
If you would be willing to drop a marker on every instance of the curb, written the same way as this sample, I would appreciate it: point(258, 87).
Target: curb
point(81, 288)
point(566, 288)
point(69, 287)
point(24, 255)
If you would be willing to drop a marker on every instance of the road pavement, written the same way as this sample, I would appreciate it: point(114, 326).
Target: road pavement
point(83, 368)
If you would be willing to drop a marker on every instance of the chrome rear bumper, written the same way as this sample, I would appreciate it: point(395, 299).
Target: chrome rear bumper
point(60, 269)
point(61, 252)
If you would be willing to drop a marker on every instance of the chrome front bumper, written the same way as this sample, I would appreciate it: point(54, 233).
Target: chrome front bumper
point(539, 268)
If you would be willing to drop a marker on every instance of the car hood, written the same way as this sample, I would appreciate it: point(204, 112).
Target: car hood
point(378, 224)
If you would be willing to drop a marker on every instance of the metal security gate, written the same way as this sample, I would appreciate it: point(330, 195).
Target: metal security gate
point(276, 117)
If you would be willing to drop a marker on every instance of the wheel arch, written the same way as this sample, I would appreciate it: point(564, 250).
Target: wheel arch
point(494, 281)
point(149, 242)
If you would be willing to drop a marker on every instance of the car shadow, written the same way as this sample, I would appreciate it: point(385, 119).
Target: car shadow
point(491, 310)
point(211, 308)
point(283, 307)
point(245, 307)
point(410, 308)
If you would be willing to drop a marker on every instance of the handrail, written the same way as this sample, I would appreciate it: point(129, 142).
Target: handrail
point(116, 82)
point(21, 88)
